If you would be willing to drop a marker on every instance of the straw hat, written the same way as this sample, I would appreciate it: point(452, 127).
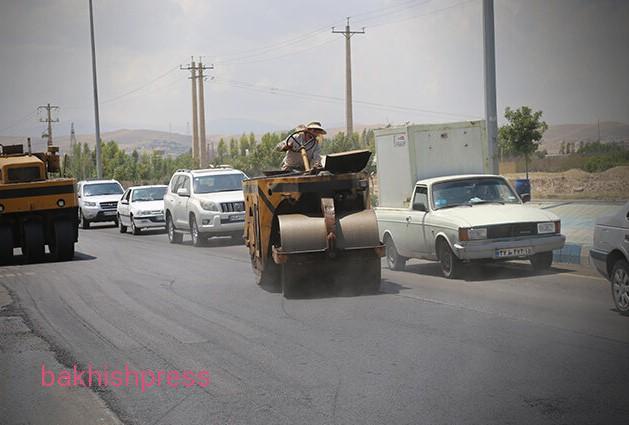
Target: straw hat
point(316, 127)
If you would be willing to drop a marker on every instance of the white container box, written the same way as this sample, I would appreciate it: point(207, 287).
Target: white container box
point(406, 154)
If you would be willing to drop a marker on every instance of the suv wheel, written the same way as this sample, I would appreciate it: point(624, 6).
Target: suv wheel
point(197, 239)
point(173, 236)
point(85, 223)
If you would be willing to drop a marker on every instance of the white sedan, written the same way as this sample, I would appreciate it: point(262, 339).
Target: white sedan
point(141, 207)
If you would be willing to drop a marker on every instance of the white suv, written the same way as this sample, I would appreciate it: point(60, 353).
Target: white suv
point(205, 203)
point(98, 200)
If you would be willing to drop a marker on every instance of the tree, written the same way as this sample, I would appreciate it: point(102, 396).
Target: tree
point(522, 133)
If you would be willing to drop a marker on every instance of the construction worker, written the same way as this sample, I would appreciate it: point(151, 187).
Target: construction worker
point(307, 136)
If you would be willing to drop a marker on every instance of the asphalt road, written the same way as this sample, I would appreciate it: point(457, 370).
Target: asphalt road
point(502, 346)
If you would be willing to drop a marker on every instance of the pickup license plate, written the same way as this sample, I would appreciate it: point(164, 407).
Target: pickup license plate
point(514, 252)
point(239, 217)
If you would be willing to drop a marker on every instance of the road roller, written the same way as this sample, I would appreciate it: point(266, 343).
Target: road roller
point(314, 230)
point(36, 209)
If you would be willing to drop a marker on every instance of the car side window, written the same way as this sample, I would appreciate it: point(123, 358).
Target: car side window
point(186, 183)
point(176, 183)
point(420, 200)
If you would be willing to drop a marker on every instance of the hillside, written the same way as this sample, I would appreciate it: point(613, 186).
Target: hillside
point(176, 143)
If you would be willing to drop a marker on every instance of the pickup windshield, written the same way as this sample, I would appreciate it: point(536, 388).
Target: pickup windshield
point(473, 191)
point(218, 183)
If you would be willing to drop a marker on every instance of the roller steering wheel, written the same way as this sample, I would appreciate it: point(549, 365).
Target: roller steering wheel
point(297, 145)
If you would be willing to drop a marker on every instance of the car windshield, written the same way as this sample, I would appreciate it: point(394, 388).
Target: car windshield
point(148, 194)
point(98, 189)
point(218, 183)
point(472, 192)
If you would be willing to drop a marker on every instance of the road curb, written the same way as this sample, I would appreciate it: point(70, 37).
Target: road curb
point(573, 254)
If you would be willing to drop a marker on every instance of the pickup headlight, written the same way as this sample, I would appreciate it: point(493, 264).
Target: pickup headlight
point(209, 206)
point(548, 227)
point(471, 234)
point(89, 204)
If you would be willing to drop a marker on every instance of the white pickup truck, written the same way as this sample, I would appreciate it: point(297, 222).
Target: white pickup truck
point(466, 218)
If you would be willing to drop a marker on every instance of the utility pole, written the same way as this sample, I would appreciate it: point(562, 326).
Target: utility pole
point(195, 127)
point(72, 138)
point(202, 144)
point(489, 60)
point(349, 120)
point(49, 120)
point(99, 162)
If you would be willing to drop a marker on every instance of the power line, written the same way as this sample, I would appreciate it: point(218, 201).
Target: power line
point(333, 99)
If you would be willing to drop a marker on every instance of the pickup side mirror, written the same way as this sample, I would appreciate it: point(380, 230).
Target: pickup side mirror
point(182, 191)
point(419, 207)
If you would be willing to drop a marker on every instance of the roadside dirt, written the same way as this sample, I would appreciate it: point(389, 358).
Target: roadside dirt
point(612, 184)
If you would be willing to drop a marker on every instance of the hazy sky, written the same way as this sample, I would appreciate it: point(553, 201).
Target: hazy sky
point(277, 63)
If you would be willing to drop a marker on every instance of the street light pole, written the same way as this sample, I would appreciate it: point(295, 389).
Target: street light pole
point(99, 164)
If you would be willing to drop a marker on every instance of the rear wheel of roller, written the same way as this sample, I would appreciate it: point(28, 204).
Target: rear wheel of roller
point(6, 244)
point(33, 247)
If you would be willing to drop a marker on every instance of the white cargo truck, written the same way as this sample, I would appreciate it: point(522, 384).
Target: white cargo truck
point(405, 154)
point(438, 202)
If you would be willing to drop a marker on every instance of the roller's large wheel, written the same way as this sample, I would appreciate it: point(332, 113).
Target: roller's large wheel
point(33, 246)
point(62, 245)
point(270, 277)
point(372, 275)
point(291, 280)
point(6, 243)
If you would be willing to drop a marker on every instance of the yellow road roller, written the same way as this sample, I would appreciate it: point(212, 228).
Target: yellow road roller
point(36, 209)
point(314, 229)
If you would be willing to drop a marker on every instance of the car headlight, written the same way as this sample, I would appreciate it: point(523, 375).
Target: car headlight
point(209, 206)
point(474, 233)
point(89, 204)
point(548, 227)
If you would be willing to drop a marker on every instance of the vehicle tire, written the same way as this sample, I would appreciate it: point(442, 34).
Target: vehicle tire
point(62, 245)
point(542, 261)
point(270, 277)
point(619, 279)
point(85, 223)
point(116, 222)
point(173, 236)
point(6, 244)
point(197, 239)
point(121, 227)
point(451, 265)
point(33, 246)
point(394, 260)
point(291, 284)
point(134, 229)
point(372, 276)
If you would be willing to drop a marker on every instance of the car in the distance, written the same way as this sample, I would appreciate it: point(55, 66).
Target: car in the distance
point(610, 254)
point(98, 200)
point(142, 207)
point(205, 203)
